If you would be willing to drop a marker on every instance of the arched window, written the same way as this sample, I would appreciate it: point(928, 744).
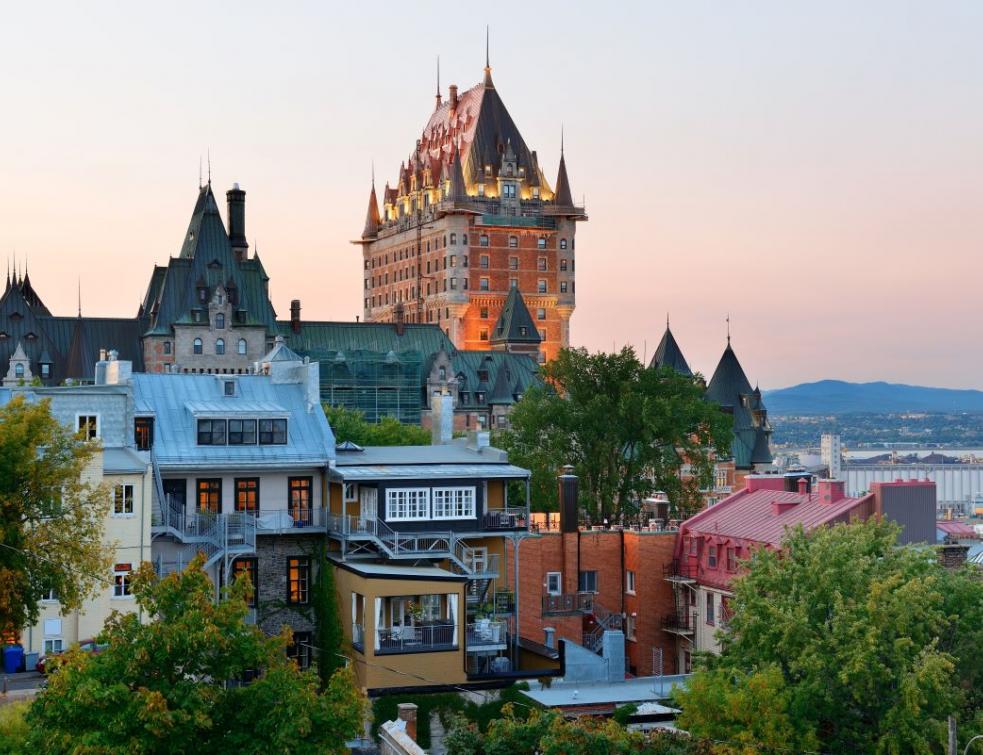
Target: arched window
point(220, 346)
point(242, 346)
point(19, 370)
point(197, 346)
point(220, 321)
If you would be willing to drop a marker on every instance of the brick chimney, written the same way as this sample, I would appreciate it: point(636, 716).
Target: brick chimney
point(803, 486)
point(295, 315)
point(399, 317)
point(952, 555)
point(569, 508)
point(407, 714)
point(236, 199)
point(831, 491)
point(453, 94)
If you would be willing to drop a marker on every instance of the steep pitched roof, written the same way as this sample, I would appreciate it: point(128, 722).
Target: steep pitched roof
point(730, 388)
point(563, 197)
point(206, 259)
point(515, 324)
point(729, 381)
point(668, 354)
point(372, 217)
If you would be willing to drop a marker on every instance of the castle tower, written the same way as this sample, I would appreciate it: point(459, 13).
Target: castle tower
point(471, 216)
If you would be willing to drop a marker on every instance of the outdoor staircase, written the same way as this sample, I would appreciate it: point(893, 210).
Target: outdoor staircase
point(217, 536)
point(605, 621)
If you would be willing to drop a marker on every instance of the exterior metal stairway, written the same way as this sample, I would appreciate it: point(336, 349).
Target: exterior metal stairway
point(605, 620)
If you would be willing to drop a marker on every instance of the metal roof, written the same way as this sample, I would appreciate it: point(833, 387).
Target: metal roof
point(124, 460)
point(638, 690)
point(310, 441)
point(455, 452)
point(370, 569)
point(223, 407)
point(429, 471)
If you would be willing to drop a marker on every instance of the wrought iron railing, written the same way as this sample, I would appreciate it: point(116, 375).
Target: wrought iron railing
point(410, 639)
point(486, 633)
point(509, 518)
point(565, 603)
point(679, 569)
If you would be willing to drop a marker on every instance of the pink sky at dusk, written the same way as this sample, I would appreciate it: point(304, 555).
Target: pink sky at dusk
point(814, 170)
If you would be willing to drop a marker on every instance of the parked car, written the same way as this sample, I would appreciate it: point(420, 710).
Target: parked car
point(45, 663)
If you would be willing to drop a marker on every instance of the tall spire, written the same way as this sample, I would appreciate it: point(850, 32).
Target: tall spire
point(728, 328)
point(488, 79)
point(80, 296)
point(209, 167)
point(562, 196)
point(372, 217)
point(438, 83)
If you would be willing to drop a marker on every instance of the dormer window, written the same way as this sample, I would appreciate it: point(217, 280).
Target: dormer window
point(203, 294)
point(219, 321)
point(18, 370)
point(229, 387)
point(3, 334)
point(31, 337)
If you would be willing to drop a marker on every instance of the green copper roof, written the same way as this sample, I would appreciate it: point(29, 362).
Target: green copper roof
point(668, 354)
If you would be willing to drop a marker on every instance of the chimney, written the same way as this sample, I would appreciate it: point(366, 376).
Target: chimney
point(569, 509)
point(236, 199)
point(803, 486)
point(441, 418)
point(453, 93)
point(399, 317)
point(407, 714)
point(295, 315)
point(831, 491)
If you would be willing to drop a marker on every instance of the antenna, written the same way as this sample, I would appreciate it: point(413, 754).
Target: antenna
point(438, 76)
point(80, 296)
point(373, 173)
point(487, 48)
point(561, 140)
point(199, 172)
point(728, 328)
point(209, 167)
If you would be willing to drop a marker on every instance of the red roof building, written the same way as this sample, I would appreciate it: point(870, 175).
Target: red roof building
point(712, 544)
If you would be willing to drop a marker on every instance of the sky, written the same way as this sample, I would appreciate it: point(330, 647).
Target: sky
point(812, 170)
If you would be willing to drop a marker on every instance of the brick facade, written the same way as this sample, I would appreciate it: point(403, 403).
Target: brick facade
point(611, 554)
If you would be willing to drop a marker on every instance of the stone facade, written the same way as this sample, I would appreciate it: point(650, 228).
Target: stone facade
point(273, 612)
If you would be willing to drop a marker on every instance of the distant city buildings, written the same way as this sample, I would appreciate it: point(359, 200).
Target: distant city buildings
point(831, 453)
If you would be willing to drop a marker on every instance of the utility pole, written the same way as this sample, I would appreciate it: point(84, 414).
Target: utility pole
point(952, 736)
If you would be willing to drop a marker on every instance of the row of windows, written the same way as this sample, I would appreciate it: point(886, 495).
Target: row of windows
point(247, 499)
point(408, 252)
point(586, 582)
point(242, 432)
point(198, 347)
point(406, 504)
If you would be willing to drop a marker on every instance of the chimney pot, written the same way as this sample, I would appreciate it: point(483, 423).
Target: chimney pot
point(407, 714)
point(236, 199)
point(453, 94)
point(803, 486)
point(569, 508)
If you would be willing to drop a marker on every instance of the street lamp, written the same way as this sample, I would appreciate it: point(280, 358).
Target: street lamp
point(978, 736)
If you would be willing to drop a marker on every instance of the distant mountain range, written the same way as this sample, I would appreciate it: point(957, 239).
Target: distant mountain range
point(841, 397)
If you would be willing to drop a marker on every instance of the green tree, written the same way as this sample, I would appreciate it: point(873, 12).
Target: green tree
point(351, 425)
point(329, 636)
point(626, 429)
point(543, 732)
point(842, 642)
point(51, 520)
point(164, 686)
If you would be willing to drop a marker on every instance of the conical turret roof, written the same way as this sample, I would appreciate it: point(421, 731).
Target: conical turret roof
point(563, 197)
point(372, 217)
point(668, 354)
point(729, 382)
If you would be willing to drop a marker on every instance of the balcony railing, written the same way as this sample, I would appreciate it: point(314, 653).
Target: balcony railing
point(509, 518)
point(414, 639)
point(280, 521)
point(680, 570)
point(486, 634)
point(678, 622)
point(568, 603)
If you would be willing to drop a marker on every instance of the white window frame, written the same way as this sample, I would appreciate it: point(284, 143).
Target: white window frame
point(350, 492)
point(79, 415)
point(630, 582)
point(124, 513)
point(558, 589)
point(50, 597)
point(124, 584)
point(454, 503)
point(53, 645)
point(407, 504)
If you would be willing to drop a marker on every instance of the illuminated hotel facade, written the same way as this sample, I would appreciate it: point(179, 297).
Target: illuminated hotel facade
point(472, 216)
